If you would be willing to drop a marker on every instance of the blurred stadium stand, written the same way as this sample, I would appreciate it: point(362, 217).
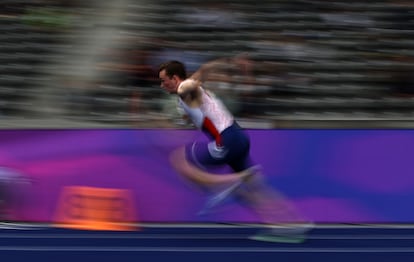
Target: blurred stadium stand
point(315, 63)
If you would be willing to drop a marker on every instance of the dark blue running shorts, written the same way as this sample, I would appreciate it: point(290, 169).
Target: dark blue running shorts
point(235, 151)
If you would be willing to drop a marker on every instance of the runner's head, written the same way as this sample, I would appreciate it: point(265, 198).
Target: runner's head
point(171, 74)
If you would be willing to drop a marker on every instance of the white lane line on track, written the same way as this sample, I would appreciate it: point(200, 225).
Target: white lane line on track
point(208, 249)
point(193, 236)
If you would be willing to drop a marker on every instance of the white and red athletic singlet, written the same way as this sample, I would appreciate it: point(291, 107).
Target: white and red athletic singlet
point(212, 115)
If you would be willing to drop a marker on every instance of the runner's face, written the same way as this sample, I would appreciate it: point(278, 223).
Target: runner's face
point(167, 83)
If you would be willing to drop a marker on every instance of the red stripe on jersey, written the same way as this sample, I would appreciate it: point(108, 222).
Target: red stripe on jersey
point(212, 130)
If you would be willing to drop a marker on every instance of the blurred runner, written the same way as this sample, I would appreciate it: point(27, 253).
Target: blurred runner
point(229, 145)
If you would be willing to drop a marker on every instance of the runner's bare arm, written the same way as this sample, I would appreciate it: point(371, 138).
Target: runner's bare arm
point(242, 61)
point(205, 69)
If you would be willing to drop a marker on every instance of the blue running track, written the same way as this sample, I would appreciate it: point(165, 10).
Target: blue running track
point(212, 243)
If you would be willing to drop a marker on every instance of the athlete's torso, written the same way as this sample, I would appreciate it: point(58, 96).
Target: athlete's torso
point(209, 107)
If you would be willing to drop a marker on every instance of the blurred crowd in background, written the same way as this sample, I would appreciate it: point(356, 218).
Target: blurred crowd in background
point(94, 63)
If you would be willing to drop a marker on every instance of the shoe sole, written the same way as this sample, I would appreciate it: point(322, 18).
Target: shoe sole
point(279, 239)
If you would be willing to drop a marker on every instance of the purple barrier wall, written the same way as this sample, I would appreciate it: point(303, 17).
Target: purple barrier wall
point(336, 176)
